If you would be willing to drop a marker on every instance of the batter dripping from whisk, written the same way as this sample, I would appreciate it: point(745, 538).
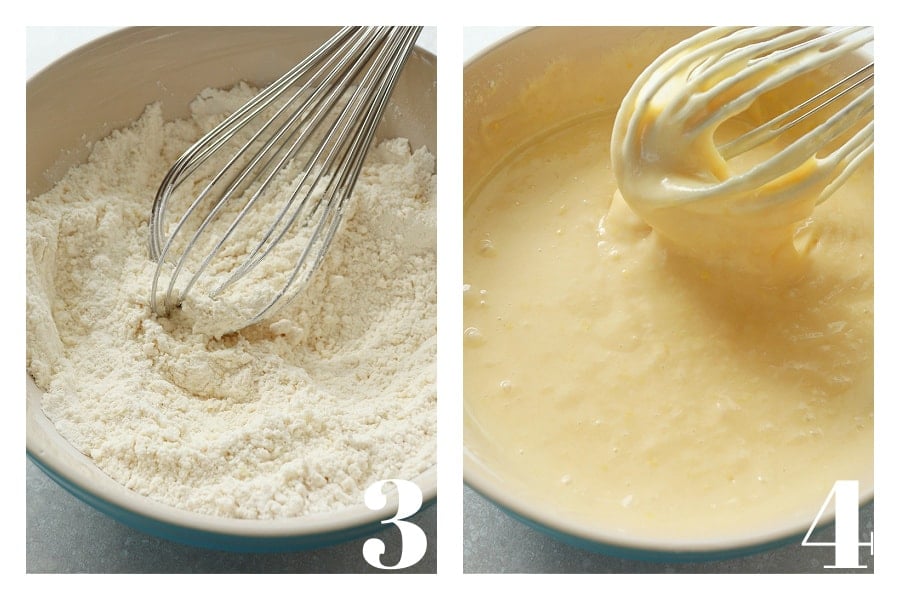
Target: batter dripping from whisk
point(669, 155)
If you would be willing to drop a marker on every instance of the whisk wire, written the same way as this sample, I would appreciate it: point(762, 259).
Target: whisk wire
point(835, 166)
point(222, 135)
point(203, 148)
point(761, 65)
point(721, 74)
point(367, 60)
point(347, 176)
point(299, 127)
point(334, 143)
point(800, 113)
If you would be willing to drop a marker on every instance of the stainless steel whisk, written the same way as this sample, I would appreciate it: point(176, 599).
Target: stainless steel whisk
point(721, 72)
point(324, 112)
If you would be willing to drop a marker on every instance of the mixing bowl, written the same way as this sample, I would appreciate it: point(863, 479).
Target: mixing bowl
point(512, 91)
point(107, 84)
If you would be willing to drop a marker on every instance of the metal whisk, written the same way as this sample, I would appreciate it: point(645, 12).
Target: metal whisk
point(671, 114)
point(299, 143)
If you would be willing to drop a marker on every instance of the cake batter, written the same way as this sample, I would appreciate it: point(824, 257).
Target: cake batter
point(630, 386)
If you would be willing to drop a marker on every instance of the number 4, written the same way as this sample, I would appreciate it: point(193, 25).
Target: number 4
point(846, 526)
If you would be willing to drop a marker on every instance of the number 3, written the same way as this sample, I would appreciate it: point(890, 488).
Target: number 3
point(412, 538)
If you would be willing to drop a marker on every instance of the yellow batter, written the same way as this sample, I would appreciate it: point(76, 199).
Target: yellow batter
point(628, 385)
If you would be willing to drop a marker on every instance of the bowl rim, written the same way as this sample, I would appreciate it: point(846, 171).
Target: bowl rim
point(628, 545)
point(56, 456)
point(51, 452)
point(607, 540)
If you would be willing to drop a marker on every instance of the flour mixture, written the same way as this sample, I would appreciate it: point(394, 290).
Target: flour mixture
point(292, 416)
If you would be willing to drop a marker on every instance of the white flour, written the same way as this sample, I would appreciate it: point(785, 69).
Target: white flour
point(293, 416)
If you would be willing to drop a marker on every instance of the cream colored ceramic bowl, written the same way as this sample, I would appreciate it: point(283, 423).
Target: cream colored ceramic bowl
point(106, 85)
point(512, 91)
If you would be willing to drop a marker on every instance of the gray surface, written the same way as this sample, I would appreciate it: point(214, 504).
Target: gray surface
point(496, 543)
point(64, 535)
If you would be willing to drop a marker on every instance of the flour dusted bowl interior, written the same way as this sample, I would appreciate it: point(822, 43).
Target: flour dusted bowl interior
point(538, 445)
point(107, 85)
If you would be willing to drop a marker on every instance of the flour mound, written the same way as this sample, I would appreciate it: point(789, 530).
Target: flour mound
point(295, 415)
